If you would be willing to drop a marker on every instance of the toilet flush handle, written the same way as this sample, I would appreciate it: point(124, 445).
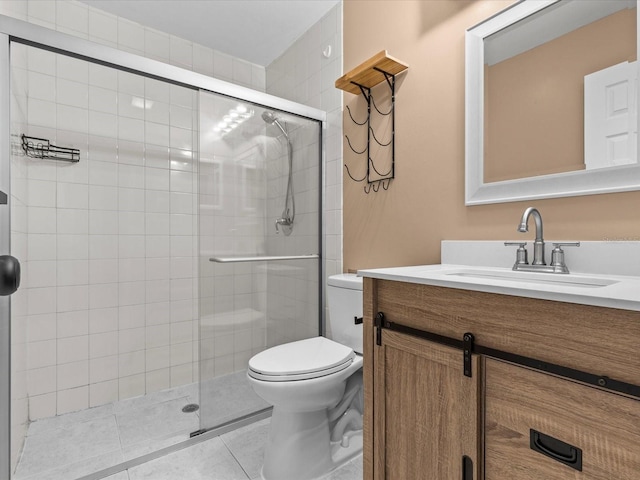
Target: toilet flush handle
point(357, 320)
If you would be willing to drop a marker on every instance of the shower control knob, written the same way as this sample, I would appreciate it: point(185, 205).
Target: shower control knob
point(9, 274)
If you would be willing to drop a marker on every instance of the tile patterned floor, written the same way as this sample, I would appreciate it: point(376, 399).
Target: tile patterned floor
point(79, 443)
point(70, 446)
point(235, 455)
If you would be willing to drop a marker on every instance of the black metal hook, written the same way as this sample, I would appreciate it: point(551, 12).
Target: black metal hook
point(354, 120)
point(354, 150)
point(378, 110)
point(378, 141)
point(352, 177)
point(376, 170)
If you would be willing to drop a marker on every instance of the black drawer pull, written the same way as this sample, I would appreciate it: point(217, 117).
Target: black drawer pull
point(558, 450)
point(467, 468)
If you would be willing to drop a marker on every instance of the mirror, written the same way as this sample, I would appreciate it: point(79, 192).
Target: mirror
point(551, 101)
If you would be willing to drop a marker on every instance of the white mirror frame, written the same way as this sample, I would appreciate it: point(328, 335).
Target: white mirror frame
point(612, 179)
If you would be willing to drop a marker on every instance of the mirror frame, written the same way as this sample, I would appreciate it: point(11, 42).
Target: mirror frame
point(477, 192)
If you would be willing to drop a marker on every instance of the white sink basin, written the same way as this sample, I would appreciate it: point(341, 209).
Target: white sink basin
point(567, 280)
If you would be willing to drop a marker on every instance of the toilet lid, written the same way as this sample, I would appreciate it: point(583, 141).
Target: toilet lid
point(301, 360)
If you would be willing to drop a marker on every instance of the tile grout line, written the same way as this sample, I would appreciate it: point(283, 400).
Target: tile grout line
point(234, 457)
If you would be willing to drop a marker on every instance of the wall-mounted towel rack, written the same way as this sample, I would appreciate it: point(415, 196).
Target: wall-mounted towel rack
point(379, 68)
point(268, 258)
point(42, 148)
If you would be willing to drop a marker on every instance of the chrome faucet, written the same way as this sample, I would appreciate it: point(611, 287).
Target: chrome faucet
point(538, 264)
point(538, 244)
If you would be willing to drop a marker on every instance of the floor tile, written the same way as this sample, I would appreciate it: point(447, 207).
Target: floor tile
point(156, 421)
point(246, 444)
point(189, 393)
point(58, 447)
point(118, 476)
point(153, 445)
point(70, 420)
point(73, 445)
point(77, 469)
point(226, 398)
point(203, 461)
point(55, 448)
point(350, 471)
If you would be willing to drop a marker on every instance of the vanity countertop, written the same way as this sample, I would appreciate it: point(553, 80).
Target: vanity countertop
point(613, 291)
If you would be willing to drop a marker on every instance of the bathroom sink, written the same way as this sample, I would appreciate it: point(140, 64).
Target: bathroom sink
point(568, 280)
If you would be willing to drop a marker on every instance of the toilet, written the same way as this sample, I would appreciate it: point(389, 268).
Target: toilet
point(315, 387)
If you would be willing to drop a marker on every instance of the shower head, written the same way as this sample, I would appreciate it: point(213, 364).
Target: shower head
point(270, 118)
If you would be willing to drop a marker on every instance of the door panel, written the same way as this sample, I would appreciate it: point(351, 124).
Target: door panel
point(611, 116)
point(429, 417)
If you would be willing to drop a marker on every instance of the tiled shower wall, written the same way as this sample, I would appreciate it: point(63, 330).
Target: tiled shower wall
point(306, 73)
point(111, 277)
point(77, 19)
point(292, 286)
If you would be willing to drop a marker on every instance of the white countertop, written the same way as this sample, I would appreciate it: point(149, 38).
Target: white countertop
point(618, 291)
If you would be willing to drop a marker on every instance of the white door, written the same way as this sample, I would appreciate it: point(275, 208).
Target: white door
point(610, 116)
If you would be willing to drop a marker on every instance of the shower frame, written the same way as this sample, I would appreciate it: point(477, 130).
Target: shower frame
point(18, 31)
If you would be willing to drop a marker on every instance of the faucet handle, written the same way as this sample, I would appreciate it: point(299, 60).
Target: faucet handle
point(521, 253)
point(559, 245)
point(557, 255)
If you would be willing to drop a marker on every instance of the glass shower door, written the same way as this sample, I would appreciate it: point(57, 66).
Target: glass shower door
point(259, 209)
point(104, 328)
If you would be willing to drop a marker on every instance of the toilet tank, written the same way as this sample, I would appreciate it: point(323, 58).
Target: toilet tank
point(344, 294)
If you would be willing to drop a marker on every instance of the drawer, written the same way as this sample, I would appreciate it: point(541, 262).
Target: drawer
point(532, 421)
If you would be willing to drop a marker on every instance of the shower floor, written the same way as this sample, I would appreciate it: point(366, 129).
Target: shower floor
point(70, 446)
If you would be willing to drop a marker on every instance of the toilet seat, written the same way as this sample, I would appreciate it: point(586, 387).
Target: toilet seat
point(301, 360)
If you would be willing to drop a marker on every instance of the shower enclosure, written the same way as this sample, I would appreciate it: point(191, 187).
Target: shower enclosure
point(169, 227)
point(259, 285)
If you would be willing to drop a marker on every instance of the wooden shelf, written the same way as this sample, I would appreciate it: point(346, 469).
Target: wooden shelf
point(366, 74)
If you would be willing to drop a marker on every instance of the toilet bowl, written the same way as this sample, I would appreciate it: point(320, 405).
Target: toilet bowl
point(315, 387)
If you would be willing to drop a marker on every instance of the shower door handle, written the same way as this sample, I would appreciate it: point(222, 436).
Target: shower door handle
point(9, 266)
point(9, 275)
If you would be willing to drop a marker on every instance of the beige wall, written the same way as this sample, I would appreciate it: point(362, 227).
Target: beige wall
point(535, 100)
point(425, 203)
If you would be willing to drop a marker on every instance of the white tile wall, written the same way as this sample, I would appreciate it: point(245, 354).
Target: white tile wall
point(98, 236)
point(303, 74)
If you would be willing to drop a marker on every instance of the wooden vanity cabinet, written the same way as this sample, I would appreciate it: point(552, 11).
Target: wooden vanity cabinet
point(426, 413)
point(527, 413)
point(424, 417)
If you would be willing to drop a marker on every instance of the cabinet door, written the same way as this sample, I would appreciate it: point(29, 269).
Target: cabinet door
point(425, 411)
point(604, 426)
